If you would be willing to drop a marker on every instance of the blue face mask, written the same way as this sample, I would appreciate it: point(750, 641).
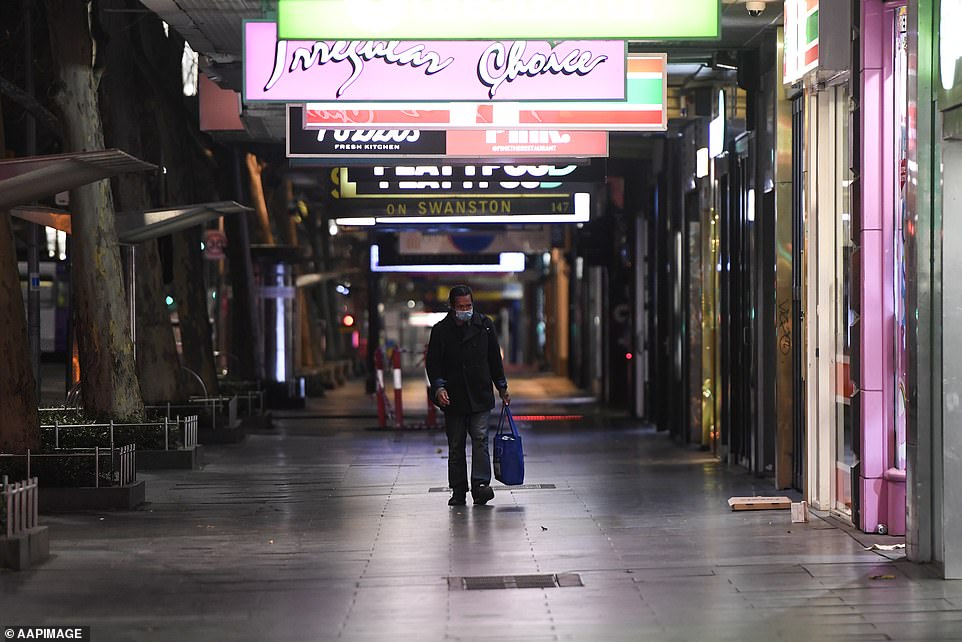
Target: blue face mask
point(463, 315)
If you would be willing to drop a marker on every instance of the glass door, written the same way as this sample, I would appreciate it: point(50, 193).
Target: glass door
point(844, 315)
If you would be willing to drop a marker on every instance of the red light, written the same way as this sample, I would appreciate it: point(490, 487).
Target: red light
point(549, 417)
point(348, 320)
point(628, 356)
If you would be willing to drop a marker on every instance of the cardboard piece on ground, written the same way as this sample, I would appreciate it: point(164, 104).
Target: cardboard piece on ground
point(760, 503)
point(799, 512)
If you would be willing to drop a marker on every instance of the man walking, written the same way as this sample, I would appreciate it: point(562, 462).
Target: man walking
point(463, 361)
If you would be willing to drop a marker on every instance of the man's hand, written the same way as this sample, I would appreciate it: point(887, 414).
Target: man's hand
point(505, 397)
point(443, 400)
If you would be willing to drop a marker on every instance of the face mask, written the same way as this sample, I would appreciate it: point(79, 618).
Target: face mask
point(464, 315)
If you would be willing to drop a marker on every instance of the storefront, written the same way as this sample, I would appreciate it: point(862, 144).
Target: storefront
point(878, 469)
point(933, 233)
point(824, 322)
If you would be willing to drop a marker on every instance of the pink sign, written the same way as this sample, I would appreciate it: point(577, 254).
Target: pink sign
point(473, 116)
point(522, 143)
point(447, 71)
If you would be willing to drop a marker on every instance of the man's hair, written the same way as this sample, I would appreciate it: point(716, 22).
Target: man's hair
point(459, 290)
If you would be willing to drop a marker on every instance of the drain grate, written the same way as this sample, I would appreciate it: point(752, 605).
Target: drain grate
point(495, 582)
point(445, 489)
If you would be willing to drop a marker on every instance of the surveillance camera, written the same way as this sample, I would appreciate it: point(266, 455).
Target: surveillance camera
point(755, 9)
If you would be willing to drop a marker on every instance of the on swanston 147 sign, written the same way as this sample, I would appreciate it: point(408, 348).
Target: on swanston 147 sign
point(563, 208)
point(381, 70)
point(491, 19)
point(643, 110)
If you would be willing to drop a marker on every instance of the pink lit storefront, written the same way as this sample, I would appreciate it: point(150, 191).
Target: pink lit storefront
point(878, 477)
point(849, 116)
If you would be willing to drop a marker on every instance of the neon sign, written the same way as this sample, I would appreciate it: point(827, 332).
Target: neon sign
point(494, 19)
point(643, 110)
point(455, 143)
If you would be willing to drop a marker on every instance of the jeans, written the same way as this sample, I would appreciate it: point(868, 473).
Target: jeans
point(458, 428)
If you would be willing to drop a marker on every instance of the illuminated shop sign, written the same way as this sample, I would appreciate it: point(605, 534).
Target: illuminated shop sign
point(355, 70)
point(520, 143)
point(950, 44)
point(387, 189)
point(478, 209)
point(414, 143)
point(494, 19)
point(506, 262)
point(801, 39)
point(510, 180)
point(643, 110)
point(585, 172)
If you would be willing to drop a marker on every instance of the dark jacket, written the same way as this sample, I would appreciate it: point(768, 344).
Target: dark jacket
point(465, 360)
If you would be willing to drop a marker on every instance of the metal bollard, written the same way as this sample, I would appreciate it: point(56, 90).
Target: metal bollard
point(379, 372)
point(398, 390)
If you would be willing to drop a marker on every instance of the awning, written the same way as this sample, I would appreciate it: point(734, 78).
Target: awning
point(136, 227)
point(23, 180)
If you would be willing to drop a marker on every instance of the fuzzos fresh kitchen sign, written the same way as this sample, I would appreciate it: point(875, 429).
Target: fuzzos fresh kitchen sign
point(414, 143)
point(643, 110)
point(381, 70)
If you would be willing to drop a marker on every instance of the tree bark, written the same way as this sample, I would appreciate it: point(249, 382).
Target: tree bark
point(191, 296)
point(19, 423)
point(247, 336)
point(131, 125)
point(110, 385)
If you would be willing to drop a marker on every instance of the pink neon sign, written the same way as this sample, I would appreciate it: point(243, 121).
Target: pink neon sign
point(523, 143)
point(472, 71)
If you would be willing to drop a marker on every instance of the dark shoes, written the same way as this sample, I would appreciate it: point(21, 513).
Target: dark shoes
point(482, 495)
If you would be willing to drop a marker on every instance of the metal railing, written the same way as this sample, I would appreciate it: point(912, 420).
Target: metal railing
point(186, 427)
point(216, 407)
point(253, 401)
point(19, 505)
point(120, 468)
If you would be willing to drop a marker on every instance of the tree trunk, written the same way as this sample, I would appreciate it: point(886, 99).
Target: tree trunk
point(130, 125)
point(191, 296)
point(254, 169)
point(247, 337)
point(110, 386)
point(158, 364)
point(189, 179)
point(19, 425)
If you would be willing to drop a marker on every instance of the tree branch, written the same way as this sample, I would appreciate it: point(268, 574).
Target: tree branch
point(30, 104)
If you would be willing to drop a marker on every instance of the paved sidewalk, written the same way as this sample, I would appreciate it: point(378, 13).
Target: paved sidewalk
point(326, 530)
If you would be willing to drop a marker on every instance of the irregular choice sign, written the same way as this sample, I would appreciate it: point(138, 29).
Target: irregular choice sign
point(407, 71)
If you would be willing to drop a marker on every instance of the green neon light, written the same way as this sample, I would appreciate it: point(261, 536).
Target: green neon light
point(497, 19)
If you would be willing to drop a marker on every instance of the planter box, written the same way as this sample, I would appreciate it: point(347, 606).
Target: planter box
point(65, 500)
point(75, 467)
point(26, 550)
point(152, 435)
point(175, 459)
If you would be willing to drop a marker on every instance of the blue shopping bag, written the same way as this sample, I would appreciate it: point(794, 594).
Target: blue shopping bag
point(508, 455)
